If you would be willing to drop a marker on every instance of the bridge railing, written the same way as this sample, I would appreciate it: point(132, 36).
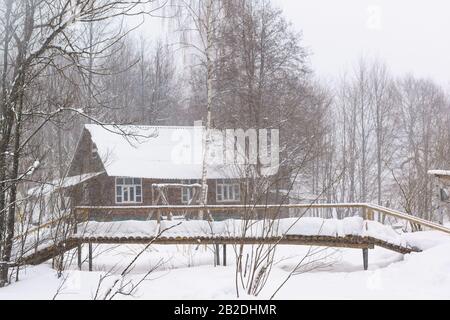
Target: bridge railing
point(33, 238)
point(69, 222)
point(367, 211)
point(48, 224)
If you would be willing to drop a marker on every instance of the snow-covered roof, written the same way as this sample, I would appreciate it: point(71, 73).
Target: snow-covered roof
point(158, 152)
point(66, 182)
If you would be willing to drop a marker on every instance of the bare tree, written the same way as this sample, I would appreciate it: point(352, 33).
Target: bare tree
point(38, 35)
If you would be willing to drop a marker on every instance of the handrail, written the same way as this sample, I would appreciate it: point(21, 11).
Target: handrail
point(44, 225)
point(367, 206)
point(411, 218)
point(367, 213)
point(227, 206)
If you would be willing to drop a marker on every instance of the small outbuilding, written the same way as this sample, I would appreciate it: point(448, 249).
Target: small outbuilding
point(441, 194)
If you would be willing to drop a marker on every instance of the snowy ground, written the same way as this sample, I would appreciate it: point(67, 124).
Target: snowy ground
point(187, 272)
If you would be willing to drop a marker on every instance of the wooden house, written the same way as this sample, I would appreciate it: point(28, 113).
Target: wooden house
point(149, 165)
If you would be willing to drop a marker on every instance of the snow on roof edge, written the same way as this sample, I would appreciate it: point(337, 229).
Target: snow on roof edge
point(63, 183)
point(439, 172)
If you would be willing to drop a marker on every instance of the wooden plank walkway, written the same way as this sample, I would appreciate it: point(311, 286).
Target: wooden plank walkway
point(358, 242)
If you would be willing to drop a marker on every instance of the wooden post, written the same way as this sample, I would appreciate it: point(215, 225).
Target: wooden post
point(370, 214)
point(224, 260)
point(60, 265)
point(90, 256)
point(79, 256)
point(210, 217)
point(75, 220)
point(379, 216)
point(364, 212)
point(366, 258)
point(158, 216)
point(75, 231)
point(218, 254)
point(153, 194)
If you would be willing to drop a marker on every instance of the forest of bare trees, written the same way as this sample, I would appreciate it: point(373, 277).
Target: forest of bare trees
point(368, 136)
point(388, 133)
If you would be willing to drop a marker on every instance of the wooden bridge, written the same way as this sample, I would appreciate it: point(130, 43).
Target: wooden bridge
point(58, 236)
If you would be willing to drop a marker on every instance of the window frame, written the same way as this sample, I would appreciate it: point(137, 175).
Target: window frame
point(94, 151)
point(129, 186)
point(230, 185)
point(190, 191)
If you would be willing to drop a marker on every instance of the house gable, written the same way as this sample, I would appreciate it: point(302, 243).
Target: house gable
point(86, 159)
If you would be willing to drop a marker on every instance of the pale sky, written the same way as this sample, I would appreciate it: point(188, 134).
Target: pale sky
point(411, 36)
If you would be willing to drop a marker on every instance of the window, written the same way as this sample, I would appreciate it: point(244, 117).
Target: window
point(227, 190)
point(187, 193)
point(94, 151)
point(85, 190)
point(128, 190)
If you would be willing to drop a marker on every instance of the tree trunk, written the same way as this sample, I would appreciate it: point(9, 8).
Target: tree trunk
point(209, 87)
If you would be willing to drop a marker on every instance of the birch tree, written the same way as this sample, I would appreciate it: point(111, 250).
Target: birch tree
point(199, 23)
